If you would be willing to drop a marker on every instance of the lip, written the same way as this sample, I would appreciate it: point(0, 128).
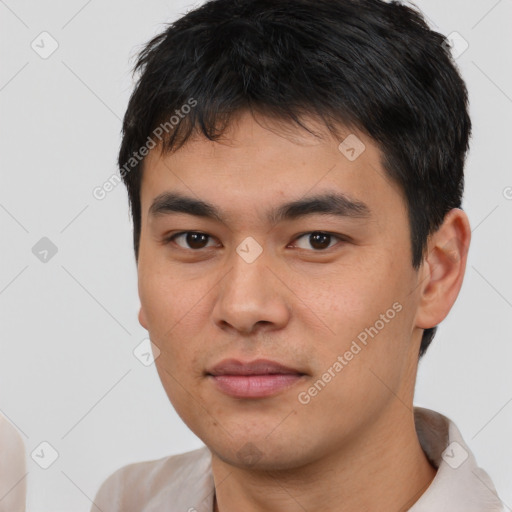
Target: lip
point(255, 379)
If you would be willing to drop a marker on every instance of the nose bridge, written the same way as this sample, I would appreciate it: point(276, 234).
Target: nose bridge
point(249, 276)
point(247, 282)
point(250, 293)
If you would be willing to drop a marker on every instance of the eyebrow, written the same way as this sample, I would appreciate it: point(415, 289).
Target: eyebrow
point(337, 204)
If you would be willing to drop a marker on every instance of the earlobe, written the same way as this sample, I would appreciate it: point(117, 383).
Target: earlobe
point(142, 318)
point(444, 268)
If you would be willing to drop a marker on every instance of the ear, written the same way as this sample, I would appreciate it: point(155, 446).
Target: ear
point(142, 318)
point(443, 269)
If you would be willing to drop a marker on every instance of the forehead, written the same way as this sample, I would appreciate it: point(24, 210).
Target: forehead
point(260, 162)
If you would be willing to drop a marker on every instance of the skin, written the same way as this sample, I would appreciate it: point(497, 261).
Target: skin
point(354, 446)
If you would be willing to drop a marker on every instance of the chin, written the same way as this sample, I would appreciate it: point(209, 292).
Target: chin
point(262, 455)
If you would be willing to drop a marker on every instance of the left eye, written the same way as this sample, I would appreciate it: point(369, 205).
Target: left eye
point(191, 240)
point(318, 240)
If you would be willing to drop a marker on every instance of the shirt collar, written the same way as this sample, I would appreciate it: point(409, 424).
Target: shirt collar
point(459, 484)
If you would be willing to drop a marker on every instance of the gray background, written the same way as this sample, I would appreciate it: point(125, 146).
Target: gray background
point(68, 375)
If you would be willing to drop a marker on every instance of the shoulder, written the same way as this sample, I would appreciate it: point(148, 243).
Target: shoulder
point(140, 486)
point(12, 467)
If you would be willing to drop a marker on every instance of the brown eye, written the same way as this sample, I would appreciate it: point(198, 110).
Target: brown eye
point(316, 240)
point(319, 240)
point(191, 240)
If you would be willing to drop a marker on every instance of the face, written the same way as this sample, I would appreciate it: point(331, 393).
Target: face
point(275, 278)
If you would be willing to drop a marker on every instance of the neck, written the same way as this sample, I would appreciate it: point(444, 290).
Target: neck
point(383, 469)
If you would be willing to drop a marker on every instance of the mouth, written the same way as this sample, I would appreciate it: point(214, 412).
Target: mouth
point(256, 379)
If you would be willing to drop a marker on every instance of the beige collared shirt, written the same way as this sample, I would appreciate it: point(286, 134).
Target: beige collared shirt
point(13, 483)
point(184, 483)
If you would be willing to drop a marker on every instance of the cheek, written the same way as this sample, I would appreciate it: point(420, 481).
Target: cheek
point(364, 304)
point(176, 313)
point(349, 299)
point(165, 297)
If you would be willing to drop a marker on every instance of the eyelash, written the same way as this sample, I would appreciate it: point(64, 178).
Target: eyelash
point(339, 237)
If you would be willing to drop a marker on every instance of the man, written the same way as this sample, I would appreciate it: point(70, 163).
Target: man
point(295, 174)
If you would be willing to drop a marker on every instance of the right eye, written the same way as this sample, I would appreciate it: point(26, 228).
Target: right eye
point(193, 240)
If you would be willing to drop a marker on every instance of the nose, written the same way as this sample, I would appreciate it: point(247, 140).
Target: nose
point(251, 298)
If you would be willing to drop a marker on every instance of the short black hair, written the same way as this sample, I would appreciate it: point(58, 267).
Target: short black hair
point(367, 64)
